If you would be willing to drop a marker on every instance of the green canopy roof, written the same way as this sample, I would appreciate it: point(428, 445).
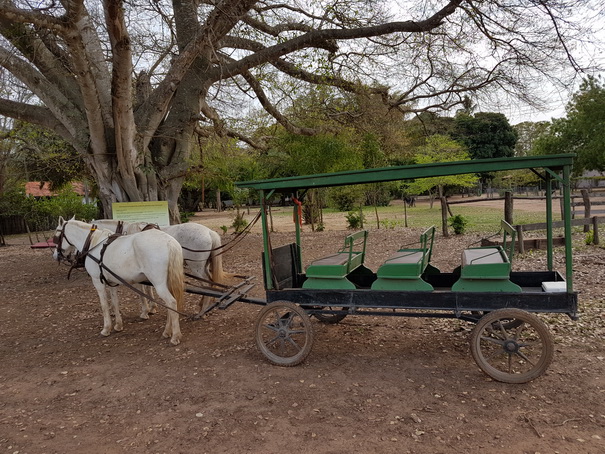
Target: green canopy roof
point(553, 162)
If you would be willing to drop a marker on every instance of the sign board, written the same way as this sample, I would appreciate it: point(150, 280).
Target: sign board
point(151, 212)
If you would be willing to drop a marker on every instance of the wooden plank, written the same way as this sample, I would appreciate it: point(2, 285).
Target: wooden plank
point(559, 224)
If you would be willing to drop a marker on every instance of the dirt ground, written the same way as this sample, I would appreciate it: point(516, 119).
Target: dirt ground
point(370, 384)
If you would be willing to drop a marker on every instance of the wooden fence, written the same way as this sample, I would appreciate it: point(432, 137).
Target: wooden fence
point(593, 221)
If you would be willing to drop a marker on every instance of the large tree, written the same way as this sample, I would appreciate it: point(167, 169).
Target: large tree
point(486, 135)
point(128, 83)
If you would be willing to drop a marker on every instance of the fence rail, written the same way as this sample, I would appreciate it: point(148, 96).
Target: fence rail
point(594, 221)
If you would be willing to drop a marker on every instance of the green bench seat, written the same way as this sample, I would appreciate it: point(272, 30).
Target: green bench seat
point(487, 269)
point(404, 269)
point(331, 272)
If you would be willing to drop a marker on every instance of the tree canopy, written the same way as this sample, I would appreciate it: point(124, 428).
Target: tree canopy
point(129, 84)
point(582, 130)
point(486, 135)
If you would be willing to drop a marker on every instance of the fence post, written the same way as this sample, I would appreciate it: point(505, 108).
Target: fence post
point(595, 230)
point(520, 243)
point(508, 207)
point(586, 200)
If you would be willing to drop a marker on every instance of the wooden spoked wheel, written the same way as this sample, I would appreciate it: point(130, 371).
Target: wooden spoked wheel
point(512, 345)
point(284, 333)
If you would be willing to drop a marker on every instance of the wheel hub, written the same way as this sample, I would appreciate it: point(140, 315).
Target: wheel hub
point(510, 346)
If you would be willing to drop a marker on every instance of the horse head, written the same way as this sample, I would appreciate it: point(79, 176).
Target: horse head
point(64, 249)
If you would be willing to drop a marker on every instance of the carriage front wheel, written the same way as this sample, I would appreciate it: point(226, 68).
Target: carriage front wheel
point(284, 333)
point(514, 352)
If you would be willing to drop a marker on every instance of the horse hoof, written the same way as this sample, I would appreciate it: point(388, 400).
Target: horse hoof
point(118, 328)
point(105, 333)
point(144, 316)
point(166, 335)
point(175, 341)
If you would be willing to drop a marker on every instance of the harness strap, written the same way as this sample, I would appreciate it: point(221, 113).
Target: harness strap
point(80, 258)
point(110, 239)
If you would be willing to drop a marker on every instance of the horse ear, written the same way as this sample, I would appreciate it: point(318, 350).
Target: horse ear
point(73, 218)
point(61, 221)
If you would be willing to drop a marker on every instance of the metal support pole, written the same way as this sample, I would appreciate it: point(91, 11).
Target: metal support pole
point(267, 254)
point(297, 221)
point(567, 222)
point(549, 242)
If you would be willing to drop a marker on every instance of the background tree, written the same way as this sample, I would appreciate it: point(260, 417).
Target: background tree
point(127, 84)
point(40, 155)
point(441, 149)
point(582, 131)
point(527, 134)
point(486, 135)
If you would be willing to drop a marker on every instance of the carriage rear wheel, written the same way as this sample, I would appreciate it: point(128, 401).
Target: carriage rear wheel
point(512, 345)
point(284, 333)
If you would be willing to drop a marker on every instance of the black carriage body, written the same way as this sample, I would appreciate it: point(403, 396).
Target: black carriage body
point(441, 302)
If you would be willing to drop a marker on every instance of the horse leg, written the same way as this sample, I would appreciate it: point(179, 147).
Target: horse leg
point(204, 304)
point(148, 306)
point(115, 303)
point(199, 269)
point(172, 329)
point(100, 287)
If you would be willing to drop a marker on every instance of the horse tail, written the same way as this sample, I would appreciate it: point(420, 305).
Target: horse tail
point(176, 276)
point(216, 260)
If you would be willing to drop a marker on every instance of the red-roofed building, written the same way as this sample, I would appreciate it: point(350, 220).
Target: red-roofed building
point(42, 189)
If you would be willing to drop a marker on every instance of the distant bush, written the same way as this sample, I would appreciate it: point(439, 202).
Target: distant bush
point(458, 223)
point(345, 198)
point(354, 220)
point(43, 214)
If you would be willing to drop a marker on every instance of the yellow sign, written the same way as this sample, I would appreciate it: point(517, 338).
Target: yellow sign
point(151, 212)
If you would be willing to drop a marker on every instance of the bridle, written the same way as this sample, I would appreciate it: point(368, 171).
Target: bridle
point(80, 256)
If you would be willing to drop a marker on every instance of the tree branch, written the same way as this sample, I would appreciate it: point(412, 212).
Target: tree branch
point(323, 38)
point(34, 114)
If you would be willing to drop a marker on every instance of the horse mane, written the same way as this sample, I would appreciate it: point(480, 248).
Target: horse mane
point(176, 276)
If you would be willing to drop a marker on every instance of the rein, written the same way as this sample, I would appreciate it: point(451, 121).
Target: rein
point(231, 244)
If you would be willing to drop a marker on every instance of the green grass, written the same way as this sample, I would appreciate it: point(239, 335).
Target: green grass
point(481, 219)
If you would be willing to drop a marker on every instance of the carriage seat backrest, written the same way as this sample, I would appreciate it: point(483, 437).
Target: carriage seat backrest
point(408, 261)
point(493, 254)
point(350, 256)
point(404, 270)
point(487, 269)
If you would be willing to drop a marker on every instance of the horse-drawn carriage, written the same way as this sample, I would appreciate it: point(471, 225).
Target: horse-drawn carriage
point(509, 342)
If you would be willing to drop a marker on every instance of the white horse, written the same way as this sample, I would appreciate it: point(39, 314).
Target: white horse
point(152, 256)
point(201, 251)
